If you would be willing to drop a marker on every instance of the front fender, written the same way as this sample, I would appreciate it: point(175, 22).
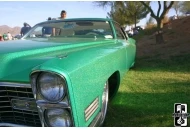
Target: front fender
point(86, 73)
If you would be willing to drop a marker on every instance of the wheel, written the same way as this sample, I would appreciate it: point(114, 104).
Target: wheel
point(104, 102)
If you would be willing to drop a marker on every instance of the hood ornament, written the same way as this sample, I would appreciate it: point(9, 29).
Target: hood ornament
point(62, 56)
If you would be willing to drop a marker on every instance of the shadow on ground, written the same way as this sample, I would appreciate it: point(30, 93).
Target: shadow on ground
point(179, 63)
point(143, 109)
point(133, 107)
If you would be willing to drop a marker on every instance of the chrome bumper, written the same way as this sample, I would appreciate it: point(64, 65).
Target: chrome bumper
point(95, 123)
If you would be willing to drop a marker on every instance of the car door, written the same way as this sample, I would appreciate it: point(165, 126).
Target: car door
point(130, 48)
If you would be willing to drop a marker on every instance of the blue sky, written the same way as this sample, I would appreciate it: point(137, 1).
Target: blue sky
point(15, 13)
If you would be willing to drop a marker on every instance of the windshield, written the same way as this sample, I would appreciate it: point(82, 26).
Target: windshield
point(70, 29)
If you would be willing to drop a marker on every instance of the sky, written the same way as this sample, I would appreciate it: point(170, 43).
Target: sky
point(15, 13)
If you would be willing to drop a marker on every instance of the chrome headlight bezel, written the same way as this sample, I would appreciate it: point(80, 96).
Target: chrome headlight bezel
point(47, 120)
point(39, 91)
point(43, 104)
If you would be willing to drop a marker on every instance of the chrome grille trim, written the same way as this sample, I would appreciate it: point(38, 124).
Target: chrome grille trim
point(8, 84)
point(9, 116)
point(89, 111)
point(21, 112)
point(12, 125)
point(14, 91)
point(6, 96)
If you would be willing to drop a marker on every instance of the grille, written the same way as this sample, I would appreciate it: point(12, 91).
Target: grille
point(10, 115)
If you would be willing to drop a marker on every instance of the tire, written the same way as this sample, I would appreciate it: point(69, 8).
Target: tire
point(104, 102)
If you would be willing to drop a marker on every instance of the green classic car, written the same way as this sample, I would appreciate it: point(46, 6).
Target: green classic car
point(63, 72)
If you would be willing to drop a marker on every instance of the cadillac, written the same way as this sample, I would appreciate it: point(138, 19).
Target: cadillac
point(62, 73)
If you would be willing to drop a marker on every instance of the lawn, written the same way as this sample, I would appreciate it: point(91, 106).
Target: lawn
point(160, 78)
point(148, 92)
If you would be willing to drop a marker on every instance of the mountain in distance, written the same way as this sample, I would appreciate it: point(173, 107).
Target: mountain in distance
point(13, 31)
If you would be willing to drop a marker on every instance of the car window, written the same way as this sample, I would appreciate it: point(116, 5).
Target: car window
point(74, 29)
point(119, 32)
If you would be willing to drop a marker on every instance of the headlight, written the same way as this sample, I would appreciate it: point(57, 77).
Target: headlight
point(58, 118)
point(51, 86)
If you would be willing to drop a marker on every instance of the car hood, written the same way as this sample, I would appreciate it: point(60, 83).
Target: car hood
point(25, 45)
point(18, 58)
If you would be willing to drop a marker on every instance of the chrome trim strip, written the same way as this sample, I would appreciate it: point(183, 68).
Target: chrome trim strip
point(45, 104)
point(14, 97)
point(12, 84)
point(5, 106)
point(18, 112)
point(91, 109)
point(12, 125)
point(14, 91)
point(91, 105)
point(41, 115)
point(96, 121)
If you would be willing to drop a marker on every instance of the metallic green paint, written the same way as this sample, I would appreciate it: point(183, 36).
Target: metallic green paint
point(86, 64)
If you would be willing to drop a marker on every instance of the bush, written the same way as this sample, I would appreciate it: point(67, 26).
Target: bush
point(150, 29)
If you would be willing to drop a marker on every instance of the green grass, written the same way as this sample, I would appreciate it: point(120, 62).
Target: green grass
point(148, 92)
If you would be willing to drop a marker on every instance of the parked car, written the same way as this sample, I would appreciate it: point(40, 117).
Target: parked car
point(63, 79)
point(129, 33)
point(138, 28)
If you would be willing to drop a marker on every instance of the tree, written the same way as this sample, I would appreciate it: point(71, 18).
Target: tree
point(150, 22)
point(159, 17)
point(135, 10)
point(118, 15)
point(125, 12)
point(116, 12)
point(177, 7)
point(185, 7)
